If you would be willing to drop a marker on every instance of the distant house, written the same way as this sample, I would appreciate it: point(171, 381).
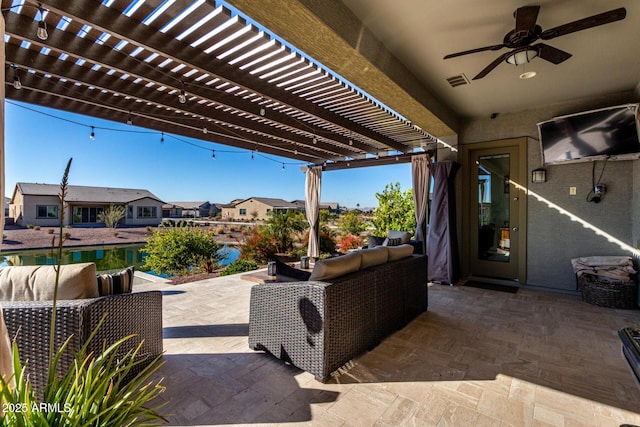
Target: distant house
point(333, 207)
point(189, 209)
point(255, 208)
point(38, 204)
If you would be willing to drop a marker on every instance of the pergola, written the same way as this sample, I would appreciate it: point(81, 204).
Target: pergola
point(197, 69)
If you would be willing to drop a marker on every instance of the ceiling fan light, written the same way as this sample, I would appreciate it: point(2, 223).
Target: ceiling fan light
point(522, 56)
point(528, 75)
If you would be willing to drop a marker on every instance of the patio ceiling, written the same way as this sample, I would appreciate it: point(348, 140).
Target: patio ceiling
point(132, 59)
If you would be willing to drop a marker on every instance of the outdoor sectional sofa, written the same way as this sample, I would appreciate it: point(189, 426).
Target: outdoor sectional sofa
point(26, 301)
point(321, 324)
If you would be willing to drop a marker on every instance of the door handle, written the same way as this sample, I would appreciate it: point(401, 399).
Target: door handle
point(515, 228)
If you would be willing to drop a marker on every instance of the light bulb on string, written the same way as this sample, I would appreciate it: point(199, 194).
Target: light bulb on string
point(129, 120)
point(17, 84)
point(315, 140)
point(205, 130)
point(263, 111)
point(182, 98)
point(42, 32)
point(213, 154)
point(162, 138)
point(93, 134)
point(252, 155)
point(283, 166)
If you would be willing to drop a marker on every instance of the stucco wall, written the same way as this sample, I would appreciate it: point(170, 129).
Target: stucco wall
point(145, 221)
point(582, 228)
point(27, 206)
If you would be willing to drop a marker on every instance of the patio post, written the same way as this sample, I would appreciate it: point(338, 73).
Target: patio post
point(2, 92)
point(313, 183)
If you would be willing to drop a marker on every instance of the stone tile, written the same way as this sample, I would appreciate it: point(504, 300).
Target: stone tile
point(475, 358)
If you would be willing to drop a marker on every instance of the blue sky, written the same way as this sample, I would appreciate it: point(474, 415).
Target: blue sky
point(38, 146)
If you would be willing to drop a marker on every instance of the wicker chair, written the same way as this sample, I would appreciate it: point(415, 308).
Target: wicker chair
point(137, 313)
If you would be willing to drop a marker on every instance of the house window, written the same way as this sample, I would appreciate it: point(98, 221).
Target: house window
point(86, 215)
point(243, 211)
point(129, 211)
point(147, 212)
point(50, 211)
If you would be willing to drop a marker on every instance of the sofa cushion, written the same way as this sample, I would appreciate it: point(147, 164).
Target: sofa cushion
point(335, 267)
point(404, 236)
point(399, 252)
point(37, 283)
point(118, 283)
point(374, 256)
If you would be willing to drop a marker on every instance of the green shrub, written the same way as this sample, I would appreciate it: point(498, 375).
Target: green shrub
point(239, 266)
point(181, 249)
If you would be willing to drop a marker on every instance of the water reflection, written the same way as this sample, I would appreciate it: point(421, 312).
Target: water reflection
point(106, 258)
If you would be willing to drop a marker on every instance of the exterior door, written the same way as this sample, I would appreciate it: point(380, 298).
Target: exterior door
point(495, 220)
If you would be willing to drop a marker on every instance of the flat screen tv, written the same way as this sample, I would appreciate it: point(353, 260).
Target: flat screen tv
point(606, 133)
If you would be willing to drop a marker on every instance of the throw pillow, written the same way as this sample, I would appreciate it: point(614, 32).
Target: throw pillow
point(399, 252)
point(118, 283)
point(288, 271)
point(404, 236)
point(334, 267)
point(392, 241)
point(375, 241)
point(36, 283)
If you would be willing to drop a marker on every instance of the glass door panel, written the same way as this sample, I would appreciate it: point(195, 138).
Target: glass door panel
point(493, 208)
point(494, 213)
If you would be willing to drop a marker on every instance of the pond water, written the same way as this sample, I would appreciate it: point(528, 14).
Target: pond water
point(106, 258)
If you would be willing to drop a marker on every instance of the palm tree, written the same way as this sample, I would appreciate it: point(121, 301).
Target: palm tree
point(282, 224)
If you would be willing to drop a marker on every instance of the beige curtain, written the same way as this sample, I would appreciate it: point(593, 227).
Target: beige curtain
point(312, 205)
point(421, 181)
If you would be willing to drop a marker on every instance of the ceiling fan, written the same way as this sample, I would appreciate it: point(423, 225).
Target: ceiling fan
point(526, 32)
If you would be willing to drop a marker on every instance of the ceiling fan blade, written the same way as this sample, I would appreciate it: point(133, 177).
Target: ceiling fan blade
point(493, 65)
point(551, 54)
point(526, 18)
point(585, 23)
point(480, 49)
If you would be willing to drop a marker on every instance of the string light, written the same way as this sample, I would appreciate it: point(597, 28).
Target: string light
point(350, 141)
point(262, 111)
point(315, 140)
point(129, 121)
point(213, 154)
point(205, 130)
point(42, 26)
point(17, 84)
point(93, 134)
point(182, 98)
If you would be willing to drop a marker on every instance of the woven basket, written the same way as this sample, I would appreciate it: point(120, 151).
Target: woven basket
point(605, 293)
